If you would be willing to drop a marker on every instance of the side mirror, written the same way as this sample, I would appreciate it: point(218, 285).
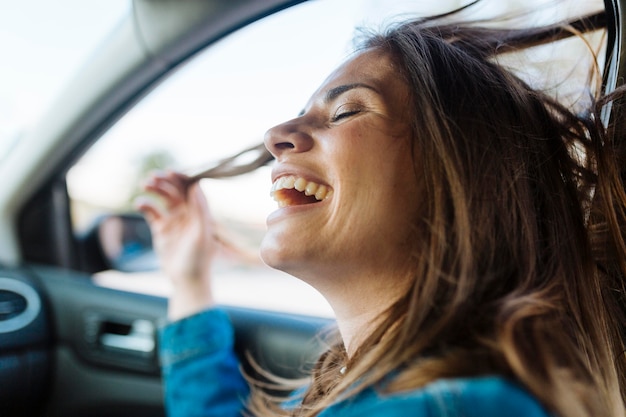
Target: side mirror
point(126, 243)
point(122, 242)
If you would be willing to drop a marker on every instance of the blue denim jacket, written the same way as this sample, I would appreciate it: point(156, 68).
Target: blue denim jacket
point(202, 379)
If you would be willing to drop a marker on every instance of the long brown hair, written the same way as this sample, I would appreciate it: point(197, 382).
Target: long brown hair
point(521, 257)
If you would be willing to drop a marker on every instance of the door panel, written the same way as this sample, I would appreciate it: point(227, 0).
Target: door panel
point(102, 359)
point(91, 376)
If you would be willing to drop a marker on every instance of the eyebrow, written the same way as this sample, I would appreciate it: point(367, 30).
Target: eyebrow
point(335, 92)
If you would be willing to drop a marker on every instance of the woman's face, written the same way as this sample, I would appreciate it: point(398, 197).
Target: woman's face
point(344, 178)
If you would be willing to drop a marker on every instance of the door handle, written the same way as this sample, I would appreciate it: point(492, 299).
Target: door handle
point(138, 337)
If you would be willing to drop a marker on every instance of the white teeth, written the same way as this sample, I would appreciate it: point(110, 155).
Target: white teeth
point(320, 191)
point(311, 188)
point(288, 182)
point(300, 184)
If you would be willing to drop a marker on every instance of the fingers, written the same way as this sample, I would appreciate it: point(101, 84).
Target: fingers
point(170, 194)
point(165, 190)
point(198, 201)
point(170, 186)
point(149, 207)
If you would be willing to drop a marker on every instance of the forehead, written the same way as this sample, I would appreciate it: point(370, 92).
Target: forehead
point(372, 67)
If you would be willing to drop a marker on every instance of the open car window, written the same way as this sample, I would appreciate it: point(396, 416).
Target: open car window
point(223, 101)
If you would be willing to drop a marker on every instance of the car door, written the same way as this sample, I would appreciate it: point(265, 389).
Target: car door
point(75, 338)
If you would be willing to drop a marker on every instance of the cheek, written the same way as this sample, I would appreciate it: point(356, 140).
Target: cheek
point(398, 190)
point(370, 165)
point(380, 196)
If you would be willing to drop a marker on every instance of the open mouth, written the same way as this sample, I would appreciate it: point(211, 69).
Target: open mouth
point(296, 191)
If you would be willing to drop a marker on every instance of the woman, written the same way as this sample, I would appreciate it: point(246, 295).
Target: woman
point(464, 227)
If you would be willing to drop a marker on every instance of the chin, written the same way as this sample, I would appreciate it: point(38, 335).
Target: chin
point(271, 253)
point(280, 256)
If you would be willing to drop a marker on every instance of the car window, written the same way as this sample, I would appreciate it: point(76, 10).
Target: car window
point(222, 102)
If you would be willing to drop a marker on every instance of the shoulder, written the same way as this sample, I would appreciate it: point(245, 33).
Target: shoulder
point(485, 396)
point(466, 397)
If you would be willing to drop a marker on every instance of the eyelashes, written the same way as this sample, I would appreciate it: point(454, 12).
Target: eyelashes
point(344, 115)
point(345, 111)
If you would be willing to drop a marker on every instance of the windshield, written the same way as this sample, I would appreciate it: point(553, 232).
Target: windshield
point(43, 44)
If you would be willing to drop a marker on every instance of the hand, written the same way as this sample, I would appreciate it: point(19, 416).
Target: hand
point(184, 238)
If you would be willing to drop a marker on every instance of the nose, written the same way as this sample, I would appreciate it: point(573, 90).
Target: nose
point(288, 137)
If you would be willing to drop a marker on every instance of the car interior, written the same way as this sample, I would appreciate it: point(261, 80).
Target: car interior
point(71, 346)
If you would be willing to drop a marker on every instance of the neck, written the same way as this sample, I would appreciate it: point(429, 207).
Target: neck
point(356, 327)
point(360, 304)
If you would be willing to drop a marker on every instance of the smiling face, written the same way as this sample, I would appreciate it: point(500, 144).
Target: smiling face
point(344, 177)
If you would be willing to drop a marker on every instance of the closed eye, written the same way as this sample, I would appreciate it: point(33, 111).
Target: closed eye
point(344, 115)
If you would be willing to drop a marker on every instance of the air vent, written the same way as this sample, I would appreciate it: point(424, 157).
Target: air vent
point(11, 304)
point(19, 305)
